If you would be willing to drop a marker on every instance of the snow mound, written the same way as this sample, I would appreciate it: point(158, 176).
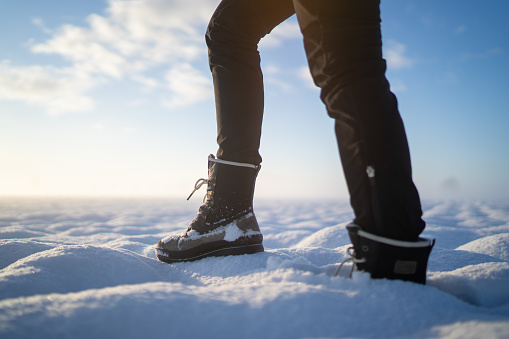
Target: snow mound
point(72, 268)
point(329, 237)
point(274, 304)
point(483, 285)
point(495, 245)
point(476, 272)
point(444, 260)
point(13, 250)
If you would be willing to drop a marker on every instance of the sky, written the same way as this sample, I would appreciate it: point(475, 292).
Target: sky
point(115, 98)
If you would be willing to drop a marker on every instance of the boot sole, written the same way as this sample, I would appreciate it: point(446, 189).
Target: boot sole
point(217, 249)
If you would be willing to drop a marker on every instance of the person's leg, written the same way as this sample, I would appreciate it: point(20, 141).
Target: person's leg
point(232, 38)
point(226, 224)
point(343, 43)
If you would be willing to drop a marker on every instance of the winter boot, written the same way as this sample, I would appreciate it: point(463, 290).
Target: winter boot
point(388, 258)
point(225, 224)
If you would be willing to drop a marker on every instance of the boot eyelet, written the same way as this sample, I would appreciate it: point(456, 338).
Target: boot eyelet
point(365, 248)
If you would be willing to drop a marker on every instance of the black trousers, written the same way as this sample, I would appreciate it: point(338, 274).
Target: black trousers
point(342, 39)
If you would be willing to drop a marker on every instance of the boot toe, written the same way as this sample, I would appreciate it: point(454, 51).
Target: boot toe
point(169, 243)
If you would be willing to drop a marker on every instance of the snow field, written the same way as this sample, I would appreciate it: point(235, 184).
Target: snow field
point(77, 268)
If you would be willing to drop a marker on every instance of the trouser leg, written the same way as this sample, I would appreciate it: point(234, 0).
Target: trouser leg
point(343, 44)
point(232, 37)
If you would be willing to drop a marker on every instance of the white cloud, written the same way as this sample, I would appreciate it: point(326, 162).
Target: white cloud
point(271, 69)
point(398, 86)
point(282, 85)
point(129, 40)
point(126, 43)
point(286, 30)
point(39, 23)
point(132, 37)
point(188, 86)
point(86, 53)
point(304, 74)
point(395, 54)
point(284, 79)
point(148, 83)
point(58, 90)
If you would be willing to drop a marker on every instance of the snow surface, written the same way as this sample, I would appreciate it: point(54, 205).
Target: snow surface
point(75, 268)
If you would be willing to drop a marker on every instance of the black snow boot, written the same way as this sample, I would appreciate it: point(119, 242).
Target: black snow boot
point(388, 258)
point(225, 224)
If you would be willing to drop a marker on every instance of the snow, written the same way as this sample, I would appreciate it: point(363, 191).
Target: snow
point(86, 268)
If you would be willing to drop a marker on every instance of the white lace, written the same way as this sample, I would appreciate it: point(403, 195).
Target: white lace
point(351, 254)
point(199, 183)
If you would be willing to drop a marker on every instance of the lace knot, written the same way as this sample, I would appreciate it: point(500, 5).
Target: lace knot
point(199, 183)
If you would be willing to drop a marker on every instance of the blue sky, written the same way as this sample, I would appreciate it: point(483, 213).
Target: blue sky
point(115, 98)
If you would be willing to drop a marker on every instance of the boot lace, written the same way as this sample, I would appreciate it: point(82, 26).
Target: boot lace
point(353, 259)
point(203, 210)
point(199, 183)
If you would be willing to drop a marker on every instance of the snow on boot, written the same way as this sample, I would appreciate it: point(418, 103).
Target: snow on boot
point(225, 224)
point(388, 258)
